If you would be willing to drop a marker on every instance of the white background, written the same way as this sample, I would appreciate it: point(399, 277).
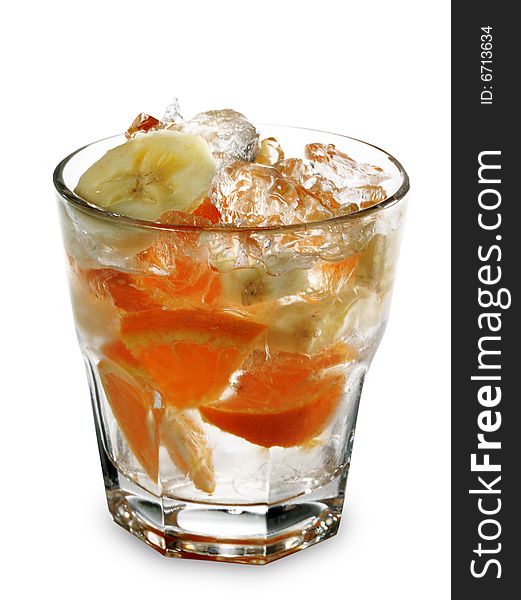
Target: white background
point(77, 71)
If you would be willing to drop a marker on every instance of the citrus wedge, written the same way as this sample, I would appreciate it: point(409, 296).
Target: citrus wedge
point(132, 406)
point(207, 210)
point(338, 274)
point(127, 387)
point(189, 354)
point(285, 400)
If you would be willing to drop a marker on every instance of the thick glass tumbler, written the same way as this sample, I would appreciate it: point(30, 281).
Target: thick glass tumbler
point(226, 364)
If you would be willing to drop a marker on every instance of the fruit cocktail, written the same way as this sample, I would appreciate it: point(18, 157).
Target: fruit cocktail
point(230, 287)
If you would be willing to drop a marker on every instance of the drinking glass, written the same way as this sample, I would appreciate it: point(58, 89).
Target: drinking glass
point(226, 364)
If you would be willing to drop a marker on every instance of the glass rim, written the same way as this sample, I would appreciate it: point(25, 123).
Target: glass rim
point(72, 198)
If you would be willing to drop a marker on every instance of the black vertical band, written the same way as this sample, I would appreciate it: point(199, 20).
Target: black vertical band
point(486, 265)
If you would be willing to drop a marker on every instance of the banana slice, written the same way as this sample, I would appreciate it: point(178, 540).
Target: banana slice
point(377, 266)
point(368, 313)
point(253, 285)
point(97, 321)
point(188, 448)
point(306, 327)
point(149, 175)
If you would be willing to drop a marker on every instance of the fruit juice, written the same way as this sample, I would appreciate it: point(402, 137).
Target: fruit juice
point(229, 296)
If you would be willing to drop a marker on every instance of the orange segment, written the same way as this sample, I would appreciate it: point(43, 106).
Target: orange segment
point(189, 354)
point(207, 210)
point(120, 355)
point(133, 293)
point(283, 400)
point(181, 435)
point(188, 374)
point(122, 288)
point(301, 420)
point(166, 326)
point(338, 273)
point(126, 294)
point(132, 408)
point(171, 275)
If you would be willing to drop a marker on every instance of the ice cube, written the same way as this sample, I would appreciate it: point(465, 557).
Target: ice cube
point(341, 169)
point(177, 217)
point(303, 172)
point(270, 152)
point(95, 241)
point(173, 112)
point(143, 123)
point(230, 135)
point(249, 194)
point(341, 183)
point(365, 195)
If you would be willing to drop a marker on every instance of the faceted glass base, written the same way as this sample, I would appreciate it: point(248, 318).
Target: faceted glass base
point(233, 529)
point(251, 534)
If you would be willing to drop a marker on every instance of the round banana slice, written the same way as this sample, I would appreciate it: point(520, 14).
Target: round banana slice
point(253, 285)
point(149, 175)
point(308, 327)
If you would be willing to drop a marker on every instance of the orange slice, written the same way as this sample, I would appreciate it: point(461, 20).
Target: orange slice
point(282, 401)
point(119, 354)
point(189, 354)
point(132, 407)
point(166, 326)
point(189, 280)
point(188, 448)
point(338, 273)
point(181, 435)
point(126, 293)
point(207, 210)
point(122, 288)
